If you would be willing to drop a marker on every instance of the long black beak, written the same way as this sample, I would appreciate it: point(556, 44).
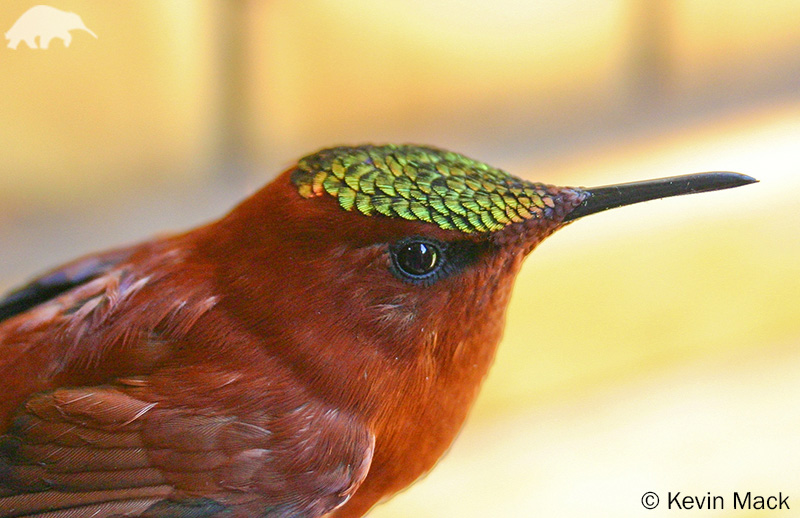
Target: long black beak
point(612, 196)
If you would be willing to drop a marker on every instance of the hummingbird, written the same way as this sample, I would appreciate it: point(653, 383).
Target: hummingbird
point(309, 354)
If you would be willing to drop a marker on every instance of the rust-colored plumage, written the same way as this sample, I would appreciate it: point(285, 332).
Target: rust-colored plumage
point(309, 354)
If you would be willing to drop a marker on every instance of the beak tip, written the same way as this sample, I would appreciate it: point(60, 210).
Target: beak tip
point(749, 179)
point(731, 179)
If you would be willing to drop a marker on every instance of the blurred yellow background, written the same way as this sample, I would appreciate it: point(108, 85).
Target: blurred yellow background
point(652, 348)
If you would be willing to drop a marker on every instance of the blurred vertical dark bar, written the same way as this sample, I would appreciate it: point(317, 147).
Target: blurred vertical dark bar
point(233, 158)
point(650, 72)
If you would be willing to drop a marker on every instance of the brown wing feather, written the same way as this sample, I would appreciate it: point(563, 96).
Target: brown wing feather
point(59, 280)
point(119, 321)
point(75, 452)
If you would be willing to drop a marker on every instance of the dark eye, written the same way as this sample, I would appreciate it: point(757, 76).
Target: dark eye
point(422, 260)
point(417, 259)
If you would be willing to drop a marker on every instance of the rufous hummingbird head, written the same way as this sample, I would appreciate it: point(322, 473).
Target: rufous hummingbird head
point(401, 259)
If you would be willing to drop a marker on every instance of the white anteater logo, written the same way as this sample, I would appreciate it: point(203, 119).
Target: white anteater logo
point(47, 23)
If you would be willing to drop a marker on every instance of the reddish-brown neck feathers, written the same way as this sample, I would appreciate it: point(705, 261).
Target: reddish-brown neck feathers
point(313, 283)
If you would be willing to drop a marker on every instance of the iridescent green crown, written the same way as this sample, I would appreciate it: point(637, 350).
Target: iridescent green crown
point(424, 184)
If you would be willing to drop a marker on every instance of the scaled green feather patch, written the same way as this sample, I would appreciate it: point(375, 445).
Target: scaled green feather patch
point(422, 184)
